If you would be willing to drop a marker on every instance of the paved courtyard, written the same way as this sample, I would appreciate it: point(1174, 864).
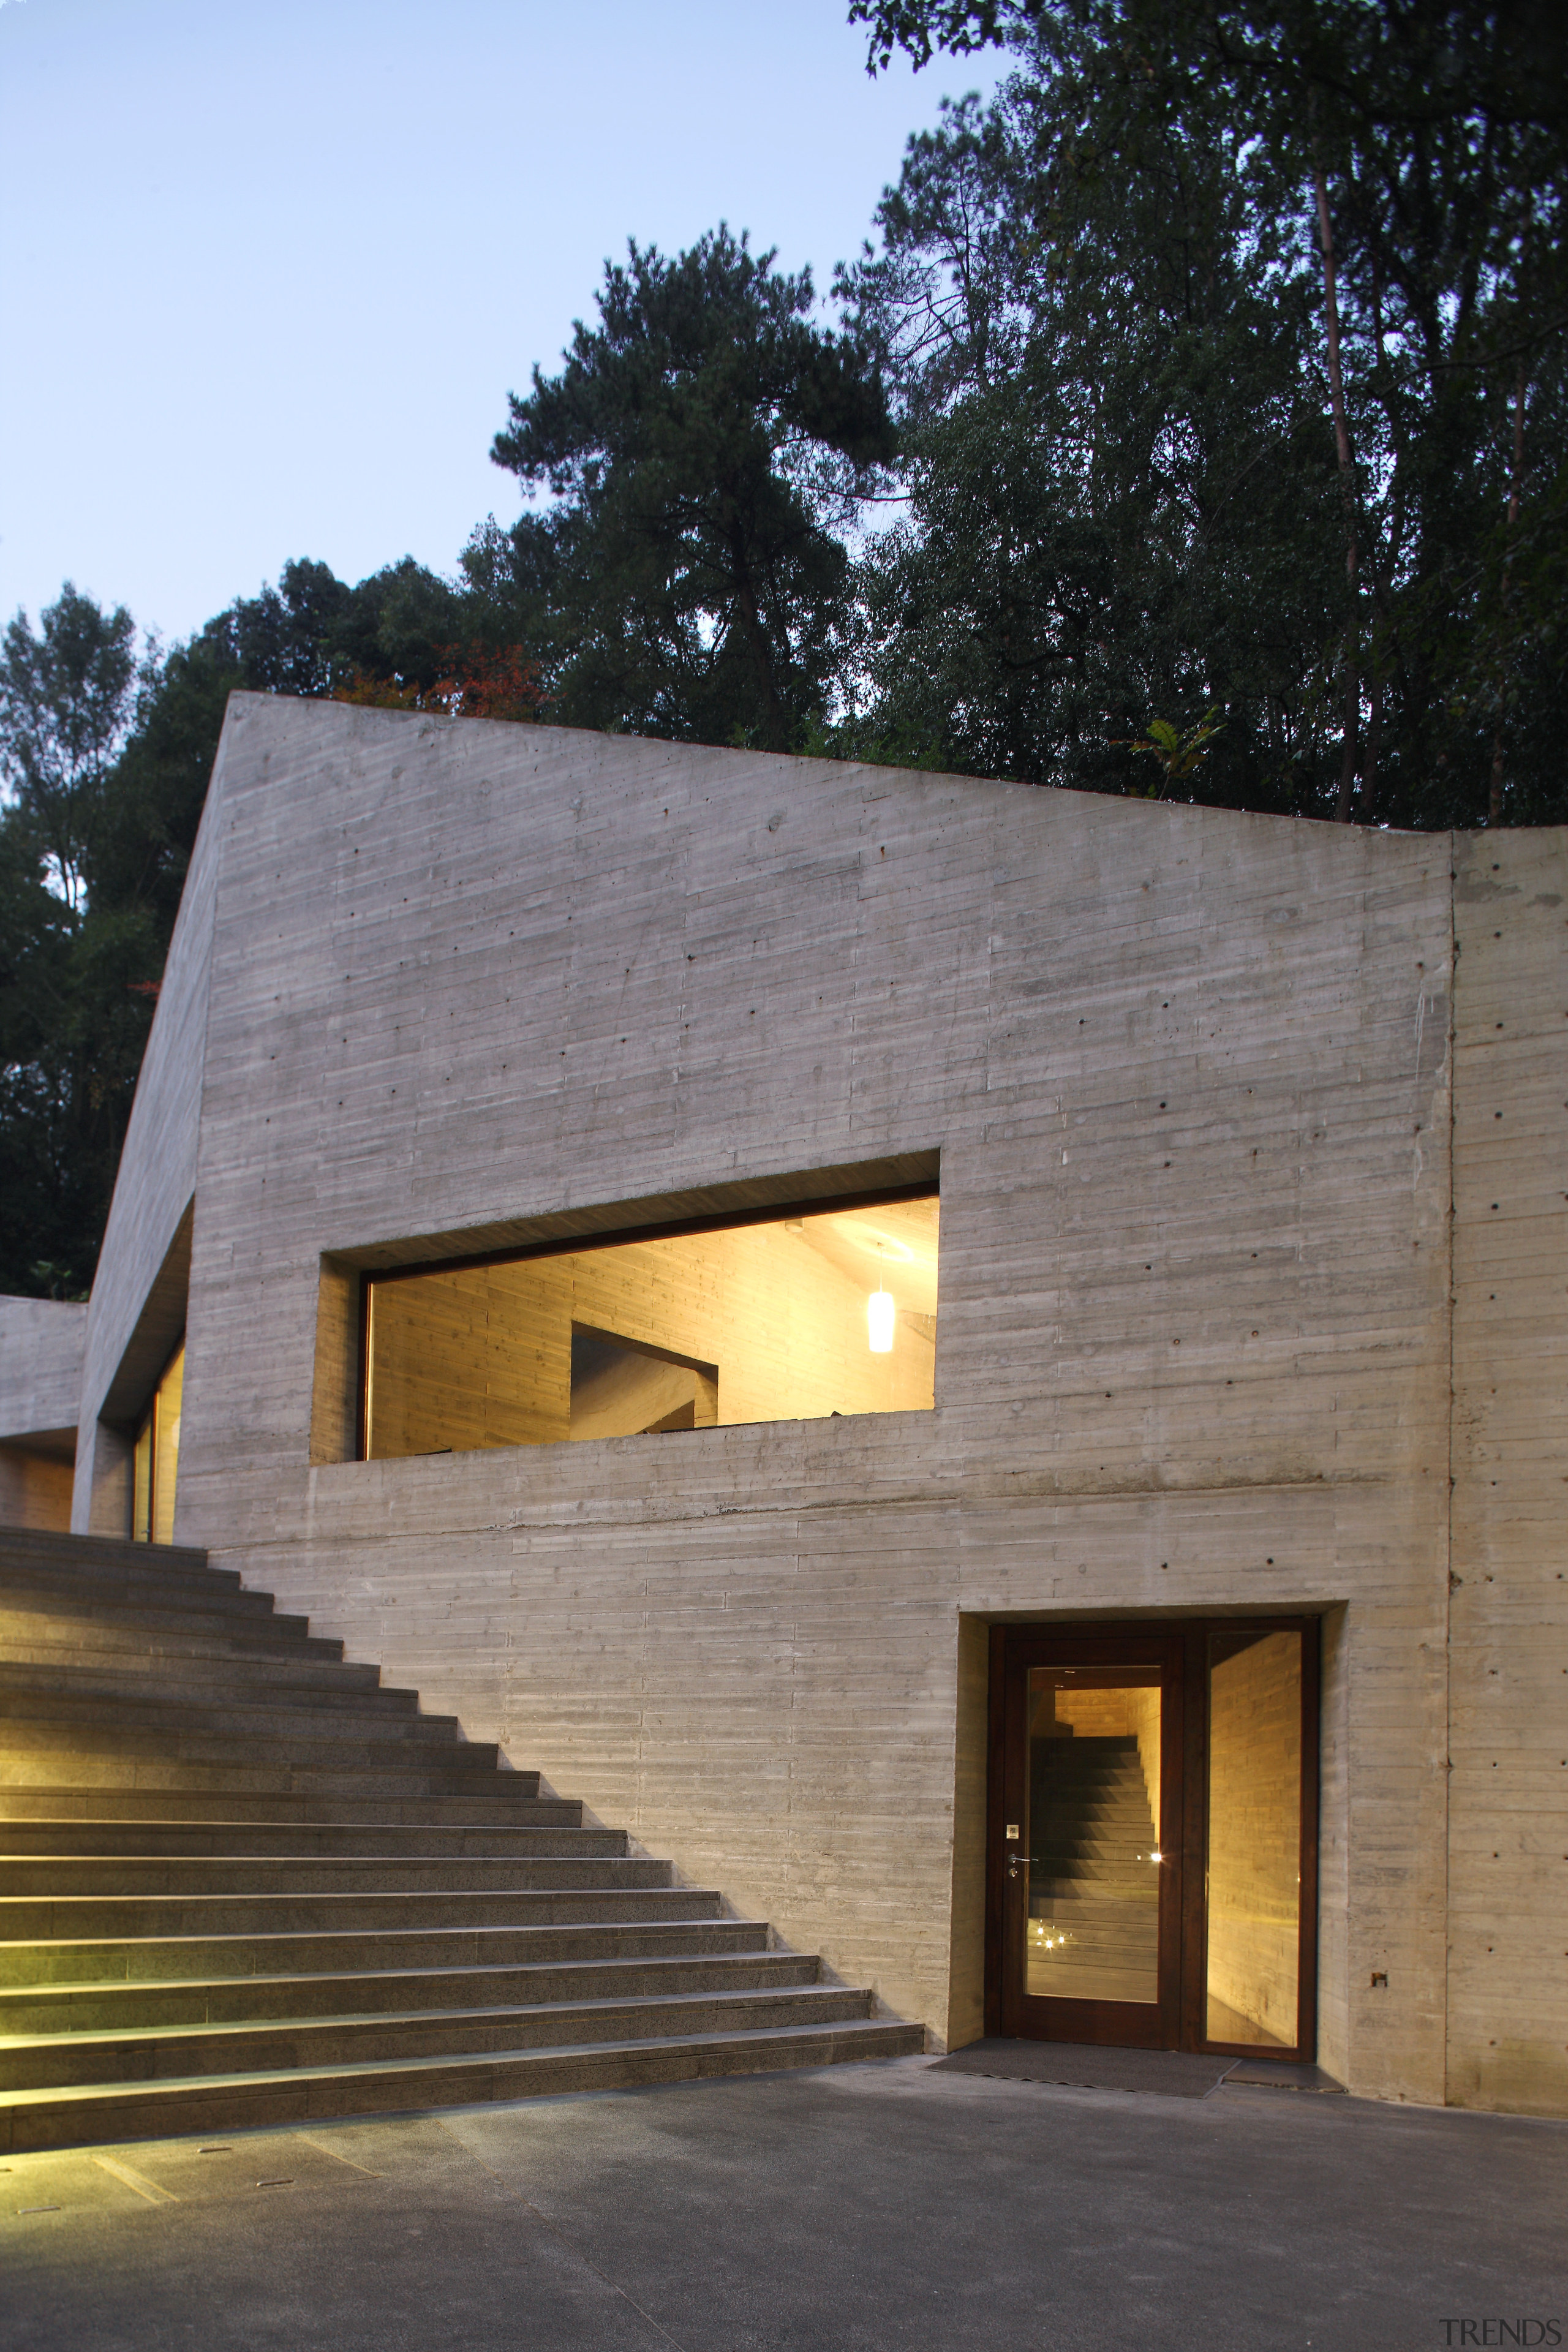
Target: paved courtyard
point(858, 2209)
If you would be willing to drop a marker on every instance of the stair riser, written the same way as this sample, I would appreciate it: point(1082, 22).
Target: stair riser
point(24, 1587)
point(86, 1551)
point(386, 2040)
point(365, 1915)
point(50, 1616)
point(345, 1718)
point(494, 1800)
point(283, 1809)
point(117, 1960)
point(204, 1761)
point(242, 1999)
point(104, 1634)
point(78, 2122)
point(266, 1879)
point(181, 1842)
point(53, 1666)
point(24, 1554)
point(302, 1694)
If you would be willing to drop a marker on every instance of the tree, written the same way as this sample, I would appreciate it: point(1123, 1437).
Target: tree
point(1404, 169)
point(1121, 493)
point(703, 445)
point(66, 693)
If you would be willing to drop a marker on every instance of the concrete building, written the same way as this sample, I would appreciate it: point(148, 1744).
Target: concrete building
point(1163, 1635)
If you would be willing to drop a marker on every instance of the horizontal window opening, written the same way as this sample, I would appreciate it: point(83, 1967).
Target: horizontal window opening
point(784, 1317)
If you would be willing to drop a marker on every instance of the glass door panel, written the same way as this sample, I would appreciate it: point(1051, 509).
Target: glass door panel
point(1152, 1878)
point(1093, 1917)
point(1254, 1838)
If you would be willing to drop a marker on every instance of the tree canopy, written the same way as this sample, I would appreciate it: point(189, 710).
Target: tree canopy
point(1212, 375)
point(1230, 349)
point(106, 760)
point(699, 446)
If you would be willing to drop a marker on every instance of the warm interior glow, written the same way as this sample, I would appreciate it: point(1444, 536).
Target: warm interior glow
point(156, 1460)
point(763, 1320)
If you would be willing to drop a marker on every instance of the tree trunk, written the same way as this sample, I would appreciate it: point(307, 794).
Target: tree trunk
point(1347, 493)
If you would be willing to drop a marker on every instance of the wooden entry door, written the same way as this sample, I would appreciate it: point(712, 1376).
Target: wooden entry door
point(1153, 1865)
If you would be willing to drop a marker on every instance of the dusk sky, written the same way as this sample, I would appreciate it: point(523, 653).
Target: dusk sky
point(269, 273)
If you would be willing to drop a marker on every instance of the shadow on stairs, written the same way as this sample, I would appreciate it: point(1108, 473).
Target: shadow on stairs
point(241, 1884)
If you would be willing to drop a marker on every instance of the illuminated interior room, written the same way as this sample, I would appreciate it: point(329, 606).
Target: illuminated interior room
point(781, 1317)
point(156, 1460)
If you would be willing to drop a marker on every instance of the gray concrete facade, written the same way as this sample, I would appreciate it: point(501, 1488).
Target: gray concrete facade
point(1254, 1250)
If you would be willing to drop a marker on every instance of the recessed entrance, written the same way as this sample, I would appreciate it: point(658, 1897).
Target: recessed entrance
point(1152, 1865)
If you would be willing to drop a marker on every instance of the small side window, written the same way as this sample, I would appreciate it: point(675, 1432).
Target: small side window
point(157, 1456)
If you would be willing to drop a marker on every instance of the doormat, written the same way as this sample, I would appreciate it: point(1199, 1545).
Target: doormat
point(1172, 2073)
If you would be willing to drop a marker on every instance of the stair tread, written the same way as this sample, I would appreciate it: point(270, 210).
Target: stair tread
point(441, 2061)
point(66, 1986)
point(600, 2005)
point(299, 1935)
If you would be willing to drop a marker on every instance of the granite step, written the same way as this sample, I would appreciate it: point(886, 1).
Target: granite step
point(260, 1718)
point(301, 1686)
point(301, 1840)
point(296, 2095)
point(89, 1556)
point(158, 1780)
point(150, 1959)
point(191, 2001)
point(62, 1613)
point(501, 1801)
point(159, 2053)
point(278, 1877)
point(28, 1920)
point(256, 1656)
point(26, 1584)
point(202, 1757)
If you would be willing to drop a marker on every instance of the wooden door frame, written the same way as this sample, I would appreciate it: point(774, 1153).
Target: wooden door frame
point(1180, 2017)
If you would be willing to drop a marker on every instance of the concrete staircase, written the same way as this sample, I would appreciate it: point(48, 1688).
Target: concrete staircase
point(242, 1884)
point(1094, 1892)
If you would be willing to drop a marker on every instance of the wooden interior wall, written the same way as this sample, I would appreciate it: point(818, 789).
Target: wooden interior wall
point(35, 1490)
point(1254, 1820)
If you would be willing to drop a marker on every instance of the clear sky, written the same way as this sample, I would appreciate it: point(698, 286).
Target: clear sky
point(268, 271)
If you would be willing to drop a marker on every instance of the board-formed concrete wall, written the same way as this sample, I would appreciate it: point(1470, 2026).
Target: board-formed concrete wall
point(137, 1311)
point(1508, 1728)
point(1186, 1073)
point(41, 1343)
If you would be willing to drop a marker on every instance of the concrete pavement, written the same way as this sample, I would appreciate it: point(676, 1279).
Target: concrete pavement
point(857, 2208)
